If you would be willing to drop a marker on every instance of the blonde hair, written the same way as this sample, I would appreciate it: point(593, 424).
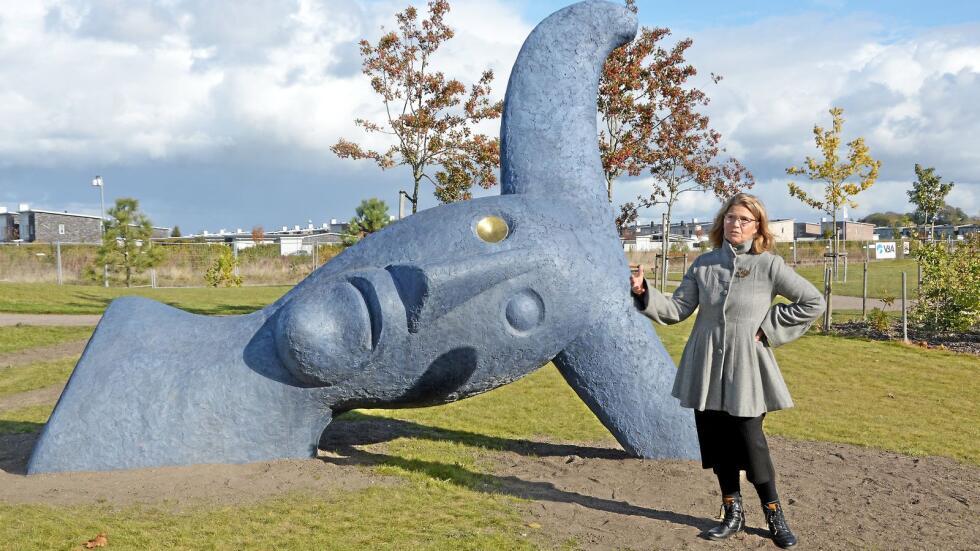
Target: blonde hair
point(763, 240)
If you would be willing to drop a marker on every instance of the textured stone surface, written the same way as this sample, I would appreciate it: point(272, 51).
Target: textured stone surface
point(424, 312)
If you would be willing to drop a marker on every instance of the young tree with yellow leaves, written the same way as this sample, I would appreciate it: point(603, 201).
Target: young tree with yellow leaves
point(836, 174)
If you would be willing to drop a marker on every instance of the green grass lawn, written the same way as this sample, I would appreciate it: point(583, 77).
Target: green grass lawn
point(23, 337)
point(870, 393)
point(24, 420)
point(434, 515)
point(884, 278)
point(34, 376)
point(27, 298)
point(886, 395)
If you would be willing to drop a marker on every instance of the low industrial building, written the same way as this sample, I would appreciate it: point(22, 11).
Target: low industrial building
point(298, 240)
point(782, 229)
point(847, 230)
point(44, 226)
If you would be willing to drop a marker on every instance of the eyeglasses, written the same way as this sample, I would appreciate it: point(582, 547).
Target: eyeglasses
point(740, 220)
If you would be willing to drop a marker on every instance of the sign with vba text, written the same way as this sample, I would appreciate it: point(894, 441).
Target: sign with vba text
point(885, 249)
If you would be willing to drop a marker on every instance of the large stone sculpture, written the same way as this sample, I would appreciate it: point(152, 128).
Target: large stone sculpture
point(451, 302)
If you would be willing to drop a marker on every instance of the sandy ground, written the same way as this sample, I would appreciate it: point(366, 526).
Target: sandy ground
point(49, 319)
point(42, 353)
point(836, 496)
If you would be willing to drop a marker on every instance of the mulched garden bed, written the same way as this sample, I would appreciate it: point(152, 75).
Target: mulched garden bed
point(967, 342)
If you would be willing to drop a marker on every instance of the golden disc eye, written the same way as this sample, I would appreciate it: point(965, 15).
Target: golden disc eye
point(492, 229)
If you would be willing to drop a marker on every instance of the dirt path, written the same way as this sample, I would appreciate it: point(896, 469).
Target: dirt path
point(49, 319)
point(39, 397)
point(842, 302)
point(836, 496)
point(42, 353)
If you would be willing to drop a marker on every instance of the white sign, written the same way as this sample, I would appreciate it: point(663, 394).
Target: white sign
point(905, 248)
point(885, 249)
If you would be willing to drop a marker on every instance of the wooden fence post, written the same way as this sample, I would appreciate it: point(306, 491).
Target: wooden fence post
point(864, 294)
point(827, 287)
point(57, 254)
point(905, 319)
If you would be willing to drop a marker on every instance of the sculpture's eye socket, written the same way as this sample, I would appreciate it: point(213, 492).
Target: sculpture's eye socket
point(492, 229)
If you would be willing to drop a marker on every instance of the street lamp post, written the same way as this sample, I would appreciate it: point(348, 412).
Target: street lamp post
point(97, 182)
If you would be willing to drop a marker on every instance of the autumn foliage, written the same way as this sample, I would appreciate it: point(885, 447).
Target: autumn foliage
point(652, 124)
point(430, 118)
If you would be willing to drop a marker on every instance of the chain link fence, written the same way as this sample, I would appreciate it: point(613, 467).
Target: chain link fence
point(183, 264)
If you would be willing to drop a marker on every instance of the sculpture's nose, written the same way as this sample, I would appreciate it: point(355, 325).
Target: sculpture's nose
point(323, 338)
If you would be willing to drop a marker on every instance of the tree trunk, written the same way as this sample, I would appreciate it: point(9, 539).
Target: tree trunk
point(835, 245)
point(666, 246)
point(415, 192)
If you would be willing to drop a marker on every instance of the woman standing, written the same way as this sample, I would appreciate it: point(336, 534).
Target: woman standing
point(728, 373)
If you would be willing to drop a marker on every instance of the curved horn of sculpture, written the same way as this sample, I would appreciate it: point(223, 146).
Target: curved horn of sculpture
point(548, 131)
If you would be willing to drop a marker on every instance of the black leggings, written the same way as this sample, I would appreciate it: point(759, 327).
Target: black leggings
point(731, 444)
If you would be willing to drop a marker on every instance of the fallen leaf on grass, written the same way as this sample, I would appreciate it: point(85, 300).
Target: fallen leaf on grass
point(100, 541)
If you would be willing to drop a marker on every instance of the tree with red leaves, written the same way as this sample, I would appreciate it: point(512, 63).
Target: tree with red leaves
point(430, 118)
point(652, 124)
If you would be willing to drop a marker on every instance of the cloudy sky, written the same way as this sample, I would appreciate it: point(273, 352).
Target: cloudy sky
point(219, 114)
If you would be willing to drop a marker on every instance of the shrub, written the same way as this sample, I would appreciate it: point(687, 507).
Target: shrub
point(878, 320)
point(949, 297)
point(222, 270)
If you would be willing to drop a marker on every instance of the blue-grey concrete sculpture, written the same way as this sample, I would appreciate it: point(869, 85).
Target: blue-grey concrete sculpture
point(451, 302)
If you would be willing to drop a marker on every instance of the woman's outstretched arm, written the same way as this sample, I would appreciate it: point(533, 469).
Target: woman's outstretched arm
point(667, 309)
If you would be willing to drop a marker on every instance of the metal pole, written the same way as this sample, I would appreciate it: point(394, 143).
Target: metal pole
point(864, 294)
point(845, 268)
point(100, 183)
point(665, 247)
point(401, 204)
point(57, 253)
point(685, 264)
point(905, 319)
point(105, 267)
point(794, 251)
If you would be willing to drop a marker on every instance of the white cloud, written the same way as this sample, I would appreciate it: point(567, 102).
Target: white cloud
point(912, 98)
point(110, 82)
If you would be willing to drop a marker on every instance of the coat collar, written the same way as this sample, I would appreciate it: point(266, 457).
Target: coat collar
point(740, 249)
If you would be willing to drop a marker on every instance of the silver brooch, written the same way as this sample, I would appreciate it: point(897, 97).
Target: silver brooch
point(742, 272)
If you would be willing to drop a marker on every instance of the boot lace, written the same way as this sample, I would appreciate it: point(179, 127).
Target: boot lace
point(777, 521)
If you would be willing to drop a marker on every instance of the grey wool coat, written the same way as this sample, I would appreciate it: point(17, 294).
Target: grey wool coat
point(723, 367)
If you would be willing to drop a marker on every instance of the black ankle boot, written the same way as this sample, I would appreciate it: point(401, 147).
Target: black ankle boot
point(733, 520)
point(778, 529)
